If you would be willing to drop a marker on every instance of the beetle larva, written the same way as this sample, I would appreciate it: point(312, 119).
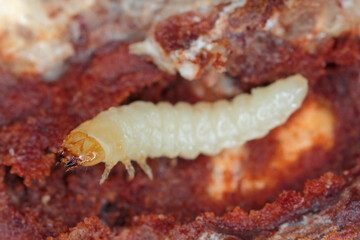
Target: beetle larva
point(143, 129)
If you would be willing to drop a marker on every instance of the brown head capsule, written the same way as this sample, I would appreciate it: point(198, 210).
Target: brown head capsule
point(78, 149)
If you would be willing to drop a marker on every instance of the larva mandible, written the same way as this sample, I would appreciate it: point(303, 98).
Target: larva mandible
point(143, 129)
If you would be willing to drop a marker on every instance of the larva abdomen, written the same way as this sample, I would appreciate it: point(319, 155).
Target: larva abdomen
point(208, 128)
point(143, 129)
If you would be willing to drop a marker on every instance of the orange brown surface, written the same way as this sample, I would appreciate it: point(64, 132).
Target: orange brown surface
point(300, 180)
point(326, 126)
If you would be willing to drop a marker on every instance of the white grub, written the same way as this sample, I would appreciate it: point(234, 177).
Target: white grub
point(143, 129)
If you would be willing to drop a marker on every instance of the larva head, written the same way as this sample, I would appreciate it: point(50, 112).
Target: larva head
point(79, 149)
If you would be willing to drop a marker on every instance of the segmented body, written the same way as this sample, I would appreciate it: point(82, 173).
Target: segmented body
point(143, 129)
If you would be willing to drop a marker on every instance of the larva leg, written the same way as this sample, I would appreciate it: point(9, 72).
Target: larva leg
point(129, 168)
point(145, 167)
point(106, 172)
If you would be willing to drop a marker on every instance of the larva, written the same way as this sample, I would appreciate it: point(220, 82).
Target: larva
point(143, 129)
